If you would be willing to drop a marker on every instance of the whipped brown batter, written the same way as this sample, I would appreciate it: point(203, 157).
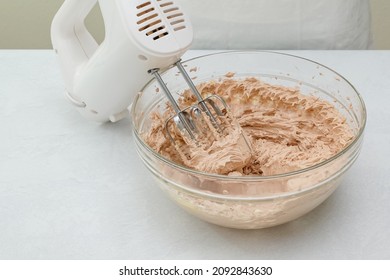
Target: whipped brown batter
point(287, 130)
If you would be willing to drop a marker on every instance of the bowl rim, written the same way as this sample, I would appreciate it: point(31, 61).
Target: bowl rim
point(252, 178)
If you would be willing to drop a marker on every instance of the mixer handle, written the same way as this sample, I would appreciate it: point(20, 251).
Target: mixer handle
point(71, 39)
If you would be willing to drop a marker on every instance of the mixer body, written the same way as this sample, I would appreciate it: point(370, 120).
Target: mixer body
point(102, 80)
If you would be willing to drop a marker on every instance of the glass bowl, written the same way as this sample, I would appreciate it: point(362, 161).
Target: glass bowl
point(252, 202)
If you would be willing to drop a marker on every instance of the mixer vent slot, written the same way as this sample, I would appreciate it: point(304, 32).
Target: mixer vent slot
point(149, 25)
point(148, 22)
point(162, 5)
point(143, 5)
point(145, 12)
point(160, 35)
point(173, 14)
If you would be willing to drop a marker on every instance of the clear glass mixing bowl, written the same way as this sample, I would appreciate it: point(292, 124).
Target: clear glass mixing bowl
point(255, 201)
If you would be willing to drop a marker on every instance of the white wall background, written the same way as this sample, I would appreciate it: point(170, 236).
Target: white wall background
point(26, 24)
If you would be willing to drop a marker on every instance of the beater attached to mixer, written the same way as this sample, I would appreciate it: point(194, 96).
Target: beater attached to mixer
point(141, 36)
point(201, 123)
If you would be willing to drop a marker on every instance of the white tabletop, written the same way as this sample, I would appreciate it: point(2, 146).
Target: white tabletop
point(72, 189)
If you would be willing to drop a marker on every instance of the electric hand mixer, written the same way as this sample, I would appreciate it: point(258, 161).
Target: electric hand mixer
point(141, 37)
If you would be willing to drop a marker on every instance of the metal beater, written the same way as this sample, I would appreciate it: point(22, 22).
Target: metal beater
point(201, 123)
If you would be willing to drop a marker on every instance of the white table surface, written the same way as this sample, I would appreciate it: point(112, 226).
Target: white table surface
point(72, 189)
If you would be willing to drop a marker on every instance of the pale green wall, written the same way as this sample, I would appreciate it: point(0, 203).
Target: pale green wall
point(25, 24)
point(381, 23)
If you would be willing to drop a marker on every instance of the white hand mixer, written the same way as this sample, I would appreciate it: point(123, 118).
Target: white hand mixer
point(141, 37)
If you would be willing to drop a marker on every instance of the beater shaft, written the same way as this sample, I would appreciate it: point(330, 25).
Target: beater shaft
point(195, 91)
point(181, 115)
